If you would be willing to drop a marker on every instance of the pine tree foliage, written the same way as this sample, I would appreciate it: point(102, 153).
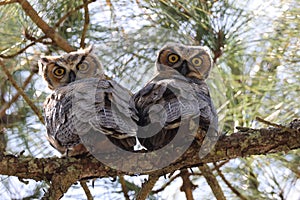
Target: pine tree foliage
point(256, 51)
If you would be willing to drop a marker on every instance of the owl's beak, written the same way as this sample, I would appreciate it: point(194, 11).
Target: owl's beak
point(184, 68)
point(72, 76)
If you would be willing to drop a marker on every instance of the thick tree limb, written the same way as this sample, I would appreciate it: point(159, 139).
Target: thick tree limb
point(69, 170)
point(47, 30)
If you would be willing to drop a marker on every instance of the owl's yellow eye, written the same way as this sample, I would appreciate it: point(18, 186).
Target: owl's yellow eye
point(59, 71)
point(197, 61)
point(83, 67)
point(173, 58)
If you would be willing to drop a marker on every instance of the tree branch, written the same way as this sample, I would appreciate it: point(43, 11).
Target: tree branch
point(18, 52)
point(3, 141)
point(187, 185)
point(86, 190)
point(233, 189)
point(124, 188)
point(69, 170)
point(212, 182)
point(63, 18)
point(15, 97)
point(166, 184)
point(21, 92)
point(47, 30)
point(86, 23)
point(6, 2)
point(147, 187)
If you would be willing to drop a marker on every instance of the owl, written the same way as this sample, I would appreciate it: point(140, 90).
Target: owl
point(176, 99)
point(85, 108)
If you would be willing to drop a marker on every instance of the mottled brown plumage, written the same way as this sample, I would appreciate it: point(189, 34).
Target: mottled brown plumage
point(85, 109)
point(176, 99)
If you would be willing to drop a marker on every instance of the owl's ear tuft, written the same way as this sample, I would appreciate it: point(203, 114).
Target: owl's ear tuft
point(44, 60)
point(89, 49)
point(86, 51)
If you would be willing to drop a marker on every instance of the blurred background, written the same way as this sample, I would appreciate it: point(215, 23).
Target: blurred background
point(256, 50)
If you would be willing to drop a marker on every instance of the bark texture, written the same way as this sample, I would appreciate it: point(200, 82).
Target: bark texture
point(63, 172)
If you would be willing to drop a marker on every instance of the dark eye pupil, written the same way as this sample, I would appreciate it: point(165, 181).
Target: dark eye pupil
point(59, 72)
point(82, 67)
point(173, 58)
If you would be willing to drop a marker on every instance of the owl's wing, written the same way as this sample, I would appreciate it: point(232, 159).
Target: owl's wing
point(103, 105)
point(166, 102)
point(112, 115)
point(86, 110)
point(162, 105)
point(59, 118)
point(208, 118)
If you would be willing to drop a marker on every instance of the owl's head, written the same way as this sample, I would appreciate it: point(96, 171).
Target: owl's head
point(190, 61)
point(59, 71)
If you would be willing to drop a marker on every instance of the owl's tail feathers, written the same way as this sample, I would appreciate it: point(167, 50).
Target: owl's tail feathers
point(125, 144)
point(72, 150)
point(98, 142)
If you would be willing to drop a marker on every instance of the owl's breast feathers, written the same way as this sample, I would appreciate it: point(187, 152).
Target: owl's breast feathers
point(89, 107)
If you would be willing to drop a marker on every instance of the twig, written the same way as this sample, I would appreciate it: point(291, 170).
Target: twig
point(86, 190)
point(124, 188)
point(86, 23)
point(187, 185)
point(47, 30)
point(2, 140)
point(166, 184)
point(212, 182)
point(63, 18)
point(6, 2)
point(235, 191)
point(18, 52)
point(147, 187)
point(29, 37)
point(220, 164)
point(21, 92)
point(269, 123)
point(60, 183)
point(15, 97)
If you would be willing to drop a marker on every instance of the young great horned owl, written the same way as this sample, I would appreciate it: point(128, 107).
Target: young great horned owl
point(59, 71)
point(85, 106)
point(176, 96)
